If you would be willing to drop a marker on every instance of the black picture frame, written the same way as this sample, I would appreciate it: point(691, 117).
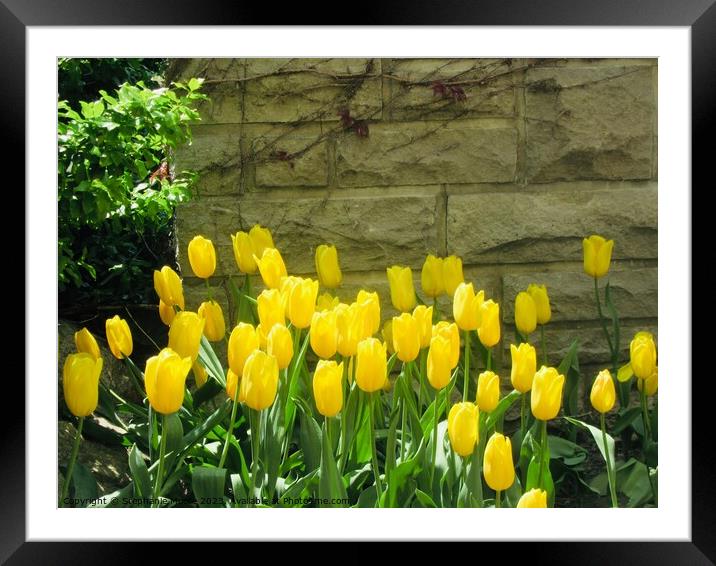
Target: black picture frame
point(699, 15)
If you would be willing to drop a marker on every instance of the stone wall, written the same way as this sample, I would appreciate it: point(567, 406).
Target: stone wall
point(507, 163)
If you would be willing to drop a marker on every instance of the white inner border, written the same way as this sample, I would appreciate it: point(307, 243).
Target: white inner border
point(671, 521)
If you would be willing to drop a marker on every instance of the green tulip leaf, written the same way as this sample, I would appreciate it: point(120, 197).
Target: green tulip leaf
point(140, 473)
point(569, 368)
point(625, 419)
point(424, 499)
point(391, 440)
point(174, 431)
point(310, 436)
point(84, 486)
point(211, 362)
point(238, 489)
point(208, 486)
point(597, 435)
point(330, 484)
point(504, 404)
point(399, 475)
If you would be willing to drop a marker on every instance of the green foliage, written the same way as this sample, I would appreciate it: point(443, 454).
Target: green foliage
point(116, 192)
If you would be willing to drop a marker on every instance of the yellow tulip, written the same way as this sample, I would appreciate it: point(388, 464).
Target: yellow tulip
point(402, 292)
point(642, 355)
point(261, 239)
point(165, 379)
point(463, 427)
point(625, 373)
point(450, 331)
point(349, 322)
point(263, 336)
point(547, 393)
point(285, 286)
point(326, 302)
point(497, 465)
point(371, 365)
point(166, 313)
point(279, 344)
point(524, 366)
point(232, 381)
point(185, 334)
point(327, 268)
point(387, 333)
point(244, 252)
point(603, 394)
point(651, 383)
point(80, 383)
point(525, 313)
point(214, 326)
point(200, 374)
point(370, 303)
point(242, 342)
point(534, 498)
point(270, 308)
point(597, 255)
point(85, 342)
point(327, 387)
point(439, 367)
point(431, 277)
point(169, 287)
point(324, 334)
point(302, 302)
point(202, 257)
point(424, 317)
point(406, 337)
point(488, 391)
point(271, 267)
point(452, 274)
point(119, 337)
point(466, 306)
point(260, 381)
point(489, 330)
point(541, 298)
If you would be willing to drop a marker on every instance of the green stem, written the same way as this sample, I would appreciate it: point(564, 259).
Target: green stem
point(230, 432)
point(610, 474)
point(208, 290)
point(328, 432)
point(544, 345)
point(255, 445)
point(498, 497)
point(488, 362)
point(374, 452)
point(436, 310)
point(466, 382)
point(543, 447)
point(160, 466)
point(602, 320)
point(523, 415)
point(71, 463)
point(435, 437)
point(344, 433)
point(647, 437)
point(421, 379)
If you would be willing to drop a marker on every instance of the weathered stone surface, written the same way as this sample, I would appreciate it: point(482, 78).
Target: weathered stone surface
point(549, 225)
point(371, 228)
point(571, 293)
point(486, 83)
point(593, 122)
point(465, 151)
point(212, 147)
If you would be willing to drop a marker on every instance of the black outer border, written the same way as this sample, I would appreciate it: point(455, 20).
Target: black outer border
point(700, 15)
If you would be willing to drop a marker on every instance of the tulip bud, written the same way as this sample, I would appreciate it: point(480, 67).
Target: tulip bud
point(280, 345)
point(424, 317)
point(329, 272)
point(498, 468)
point(534, 498)
point(232, 381)
point(260, 380)
point(371, 365)
point(597, 255)
point(80, 383)
point(489, 330)
point(324, 334)
point(603, 394)
point(406, 337)
point(488, 391)
point(166, 313)
point(402, 292)
point(541, 298)
point(547, 393)
point(286, 286)
point(651, 383)
point(302, 303)
point(261, 239)
point(202, 257)
point(370, 303)
point(350, 327)
point(85, 342)
point(271, 267)
point(525, 313)
point(185, 334)
point(625, 373)
point(327, 387)
point(642, 353)
point(450, 331)
point(200, 374)
point(165, 379)
point(244, 252)
point(431, 277)
point(263, 336)
point(524, 366)
point(452, 274)
point(466, 306)
point(119, 337)
point(270, 308)
point(439, 367)
point(214, 326)
point(326, 302)
point(387, 333)
point(242, 342)
point(463, 428)
point(168, 286)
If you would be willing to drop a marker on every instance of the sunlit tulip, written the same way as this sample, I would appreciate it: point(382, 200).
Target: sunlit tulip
point(262, 333)
point(489, 329)
point(166, 313)
point(242, 342)
point(651, 383)
point(324, 334)
point(370, 302)
point(270, 308)
point(498, 468)
point(463, 427)
point(541, 298)
point(349, 322)
point(642, 355)
point(466, 306)
point(285, 286)
point(452, 274)
point(165, 379)
point(200, 374)
point(232, 381)
point(202, 257)
point(119, 337)
point(261, 239)
point(597, 255)
point(402, 292)
point(214, 327)
point(450, 331)
point(488, 391)
point(371, 365)
point(185, 334)
point(524, 366)
point(259, 382)
point(244, 252)
point(169, 287)
point(603, 394)
point(387, 333)
point(525, 313)
point(431, 276)
point(271, 267)
point(80, 383)
point(439, 358)
point(406, 337)
point(328, 387)
point(547, 393)
point(327, 267)
point(85, 342)
point(279, 344)
point(534, 498)
point(424, 317)
point(326, 302)
point(302, 303)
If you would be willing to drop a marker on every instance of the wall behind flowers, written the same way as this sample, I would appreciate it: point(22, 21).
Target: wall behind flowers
point(507, 163)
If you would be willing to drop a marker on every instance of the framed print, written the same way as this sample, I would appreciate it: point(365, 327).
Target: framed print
point(333, 270)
